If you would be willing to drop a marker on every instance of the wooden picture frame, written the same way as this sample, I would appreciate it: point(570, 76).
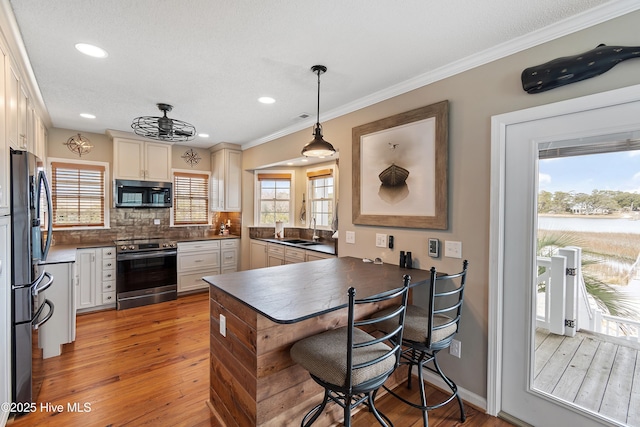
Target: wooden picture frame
point(400, 166)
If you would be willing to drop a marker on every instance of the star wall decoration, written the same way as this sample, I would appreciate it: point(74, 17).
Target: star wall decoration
point(191, 157)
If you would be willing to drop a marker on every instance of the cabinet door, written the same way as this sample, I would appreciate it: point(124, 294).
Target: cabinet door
point(233, 181)
point(86, 285)
point(13, 84)
point(4, 145)
point(60, 329)
point(128, 159)
point(157, 162)
point(257, 254)
point(23, 122)
point(217, 181)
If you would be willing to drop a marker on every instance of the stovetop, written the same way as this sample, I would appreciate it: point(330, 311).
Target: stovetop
point(139, 245)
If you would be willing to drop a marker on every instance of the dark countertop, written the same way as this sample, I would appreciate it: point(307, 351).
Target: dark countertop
point(67, 253)
point(322, 247)
point(295, 292)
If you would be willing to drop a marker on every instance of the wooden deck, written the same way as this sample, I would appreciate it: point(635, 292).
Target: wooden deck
point(591, 371)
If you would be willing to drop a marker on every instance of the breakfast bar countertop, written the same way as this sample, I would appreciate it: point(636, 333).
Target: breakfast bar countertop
point(295, 292)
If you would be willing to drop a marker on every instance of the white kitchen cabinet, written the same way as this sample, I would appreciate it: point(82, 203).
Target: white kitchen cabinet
point(141, 160)
point(226, 178)
point(196, 260)
point(5, 313)
point(61, 327)
point(275, 254)
point(257, 254)
point(86, 278)
point(229, 255)
point(96, 273)
point(4, 144)
point(15, 140)
point(294, 255)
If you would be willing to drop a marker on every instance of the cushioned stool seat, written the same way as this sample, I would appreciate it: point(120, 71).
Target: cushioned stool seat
point(325, 356)
point(416, 325)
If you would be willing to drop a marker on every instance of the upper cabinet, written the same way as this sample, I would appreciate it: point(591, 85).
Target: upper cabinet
point(4, 145)
point(226, 178)
point(141, 160)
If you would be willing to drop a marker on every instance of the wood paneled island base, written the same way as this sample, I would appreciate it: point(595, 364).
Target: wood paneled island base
point(253, 380)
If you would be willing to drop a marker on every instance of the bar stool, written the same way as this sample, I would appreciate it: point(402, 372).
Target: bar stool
point(350, 363)
point(429, 330)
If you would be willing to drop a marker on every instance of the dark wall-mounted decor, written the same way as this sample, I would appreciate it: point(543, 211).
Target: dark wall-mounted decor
point(400, 169)
point(571, 69)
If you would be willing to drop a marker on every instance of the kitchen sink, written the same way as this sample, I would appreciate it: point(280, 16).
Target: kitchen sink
point(308, 243)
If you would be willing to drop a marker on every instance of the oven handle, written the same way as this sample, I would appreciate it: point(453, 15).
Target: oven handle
point(144, 255)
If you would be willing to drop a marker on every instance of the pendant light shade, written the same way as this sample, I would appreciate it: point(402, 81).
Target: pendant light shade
point(318, 147)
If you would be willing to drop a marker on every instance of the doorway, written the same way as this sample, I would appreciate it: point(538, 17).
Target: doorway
point(516, 143)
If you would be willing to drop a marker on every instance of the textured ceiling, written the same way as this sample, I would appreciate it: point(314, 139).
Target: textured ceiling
point(212, 59)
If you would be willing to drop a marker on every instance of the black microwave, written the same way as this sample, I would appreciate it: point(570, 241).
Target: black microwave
point(142, 194)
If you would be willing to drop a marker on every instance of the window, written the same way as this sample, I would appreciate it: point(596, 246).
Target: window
point(275, 202)
point(321, 196)
point(78, 194)
point(190, 198)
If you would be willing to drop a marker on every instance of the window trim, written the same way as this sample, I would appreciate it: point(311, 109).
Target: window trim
point(317, 173)
point(257, 199)
point(107, 192)
point(208, 193)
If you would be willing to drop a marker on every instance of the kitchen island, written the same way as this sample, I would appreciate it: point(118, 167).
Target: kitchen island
point(256, 315)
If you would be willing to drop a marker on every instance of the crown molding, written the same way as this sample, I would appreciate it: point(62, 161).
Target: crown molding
point(562, 28)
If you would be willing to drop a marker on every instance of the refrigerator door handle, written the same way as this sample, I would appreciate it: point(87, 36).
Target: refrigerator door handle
point(42, 179)
point(37, 289)
point(37, 323)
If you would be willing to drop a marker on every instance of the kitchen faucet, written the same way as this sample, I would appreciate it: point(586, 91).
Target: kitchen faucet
point(315, 236)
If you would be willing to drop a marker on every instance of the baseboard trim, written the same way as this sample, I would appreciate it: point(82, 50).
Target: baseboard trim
point(469, 397)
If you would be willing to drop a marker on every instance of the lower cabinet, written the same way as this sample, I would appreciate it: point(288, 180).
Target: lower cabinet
point(267, 254)
point(257, 254)
point(229, 255)
point(275, 254)
point(314, 256)
point(196, 260)
point(96, 278)
point(61, 328)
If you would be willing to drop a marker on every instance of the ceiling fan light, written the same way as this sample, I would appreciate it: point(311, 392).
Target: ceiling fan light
point(163, 128)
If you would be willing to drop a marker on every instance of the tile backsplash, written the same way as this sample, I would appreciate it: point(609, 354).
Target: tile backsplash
point(138, 223)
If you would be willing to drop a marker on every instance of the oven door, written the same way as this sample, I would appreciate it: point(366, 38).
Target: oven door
point(146, 277)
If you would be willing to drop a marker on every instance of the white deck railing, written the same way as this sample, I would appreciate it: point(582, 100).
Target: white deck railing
point(564, 307)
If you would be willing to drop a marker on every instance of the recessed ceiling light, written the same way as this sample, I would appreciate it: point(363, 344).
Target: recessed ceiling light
point(290, 164)
point(304, 160)
point(203, 135)
point(91, 50)
point(87, 116)
point(266, 100)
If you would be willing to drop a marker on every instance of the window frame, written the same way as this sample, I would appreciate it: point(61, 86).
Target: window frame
point(258, 199)
point(312, 174)
point(207, 194)
point(106, 191)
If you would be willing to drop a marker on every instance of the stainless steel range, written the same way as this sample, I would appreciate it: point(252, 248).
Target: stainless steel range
point(146, 272)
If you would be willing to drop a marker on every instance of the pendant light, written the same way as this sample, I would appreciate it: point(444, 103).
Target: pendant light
point(318, 147)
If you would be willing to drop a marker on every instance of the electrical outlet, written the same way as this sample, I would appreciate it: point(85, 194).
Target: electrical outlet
point(156, 221)
point(455, 349)
point(350, 236)
point(381, 240)
point(223, 325)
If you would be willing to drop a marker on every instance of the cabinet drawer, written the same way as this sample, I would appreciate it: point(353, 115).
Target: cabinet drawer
point(109, 297)
point(188, 282)
point(294, 255)
point(207, 245)
point(200, 260)
point(108, 264)
point(229, 244)
point(275, 249)
point(108, 253)
point(108, 275)
point(229, 258)
point(109, 286)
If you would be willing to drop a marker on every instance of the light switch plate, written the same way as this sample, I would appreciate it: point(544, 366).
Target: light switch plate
point(381, 240)
point(452, 249)
point(350, 236)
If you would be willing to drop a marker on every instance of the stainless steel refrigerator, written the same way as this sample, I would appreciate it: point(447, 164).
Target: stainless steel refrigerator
point(29, 194)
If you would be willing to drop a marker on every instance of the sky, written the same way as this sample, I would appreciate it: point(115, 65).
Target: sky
point(583, 174)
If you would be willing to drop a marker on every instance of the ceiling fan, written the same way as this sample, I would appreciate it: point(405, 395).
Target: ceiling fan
point(163, 128)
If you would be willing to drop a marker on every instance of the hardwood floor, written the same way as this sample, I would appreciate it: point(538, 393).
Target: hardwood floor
point(149, 366)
